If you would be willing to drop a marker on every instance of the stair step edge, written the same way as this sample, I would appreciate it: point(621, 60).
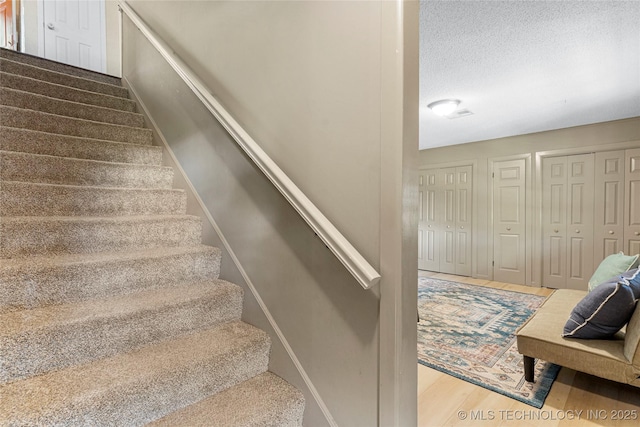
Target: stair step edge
point(64, 79)
point(116, 131)
point(42, 318)
point(274, 402)
point(75, 259)
point(76, 145)
point(62, 107)
point(66, 93)
point(88, 162)
point(26, 58)
point(140, 386)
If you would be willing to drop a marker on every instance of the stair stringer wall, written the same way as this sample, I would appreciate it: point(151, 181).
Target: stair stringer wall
point(280, 361)
point(324, 327)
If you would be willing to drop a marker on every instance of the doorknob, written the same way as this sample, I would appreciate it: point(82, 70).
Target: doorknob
point(462, 227)
point(610, 231)
point(577, 231)
point(508, 228)
point(448, 226)
point(637, 233)
point(51, 26)
point(555, 231)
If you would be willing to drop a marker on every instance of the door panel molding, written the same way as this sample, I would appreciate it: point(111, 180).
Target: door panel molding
point(520, 233)
point(508, 204)
point(447, 218)
point(609, 204)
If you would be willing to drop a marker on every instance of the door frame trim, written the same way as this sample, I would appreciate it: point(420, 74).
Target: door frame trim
point(103, 30)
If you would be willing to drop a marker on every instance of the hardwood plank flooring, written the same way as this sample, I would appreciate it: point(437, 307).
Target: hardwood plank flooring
point(576, 399)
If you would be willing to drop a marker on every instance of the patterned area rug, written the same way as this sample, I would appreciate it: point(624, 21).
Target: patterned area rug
point(469, 332)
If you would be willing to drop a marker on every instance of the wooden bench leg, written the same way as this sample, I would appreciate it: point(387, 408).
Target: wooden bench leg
point(528, 368)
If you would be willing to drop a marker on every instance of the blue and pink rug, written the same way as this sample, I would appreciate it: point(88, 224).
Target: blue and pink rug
point(469, 332)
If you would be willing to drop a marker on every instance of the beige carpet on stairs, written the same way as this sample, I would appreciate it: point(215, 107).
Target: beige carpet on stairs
point(112, 310)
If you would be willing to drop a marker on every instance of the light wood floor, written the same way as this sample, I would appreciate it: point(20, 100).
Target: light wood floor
point(576, 399)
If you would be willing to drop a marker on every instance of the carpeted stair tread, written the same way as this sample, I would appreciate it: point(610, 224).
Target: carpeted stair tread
point(59, 67)
point(27, 236)
point(54, 123)
point(141, 386)
point(112, 310)
point(53, 90)
point(46, 169)
point(61, 107)
point(55, 337)
point(274, 402)
point(35, 281)
point(21, 69)
point(34, 199)
point(37, 142)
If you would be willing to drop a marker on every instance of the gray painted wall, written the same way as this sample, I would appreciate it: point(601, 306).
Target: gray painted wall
point(596, 137)
point(305, 79)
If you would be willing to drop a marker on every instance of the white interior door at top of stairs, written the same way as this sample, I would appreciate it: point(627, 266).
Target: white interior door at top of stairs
point(74, 32)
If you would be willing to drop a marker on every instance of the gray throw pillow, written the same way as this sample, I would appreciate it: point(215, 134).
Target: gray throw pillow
point(602, 312)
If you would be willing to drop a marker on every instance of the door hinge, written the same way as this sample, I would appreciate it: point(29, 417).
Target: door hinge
point(493, 175)
point(493, 263)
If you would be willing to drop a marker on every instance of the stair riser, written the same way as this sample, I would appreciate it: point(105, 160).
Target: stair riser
point(274, 402)
point(139, 400)
point(67, 237)
point(61, 79)
point(13, 81)
point(56, 66)
point(20, 99)
point(59, 170)
point(62, 346)
point(181, 390)
point(39, 285)
point(45, 122)
point(18, 199)
point(28, 141)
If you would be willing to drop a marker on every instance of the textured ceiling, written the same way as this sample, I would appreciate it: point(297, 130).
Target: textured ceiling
point(527, 66)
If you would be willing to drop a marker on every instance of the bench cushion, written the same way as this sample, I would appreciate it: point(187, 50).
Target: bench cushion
point(541, 338)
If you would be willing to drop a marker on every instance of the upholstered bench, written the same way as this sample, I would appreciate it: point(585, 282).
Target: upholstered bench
point(617, 359)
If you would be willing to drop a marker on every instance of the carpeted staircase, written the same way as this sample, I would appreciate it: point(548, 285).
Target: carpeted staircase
point(111, 309)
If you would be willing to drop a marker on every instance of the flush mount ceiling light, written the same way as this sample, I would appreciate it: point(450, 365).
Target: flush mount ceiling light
point(444, 107)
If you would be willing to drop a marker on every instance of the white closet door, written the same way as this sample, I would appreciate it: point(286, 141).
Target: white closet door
point(580, 194)
point(448, 221)
point(464, 189)
point(567, 221)
point(608, 231)
point(444, 227)
point(509, 219)
point(632, 210)
point(428, 227)
point(554, 225)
